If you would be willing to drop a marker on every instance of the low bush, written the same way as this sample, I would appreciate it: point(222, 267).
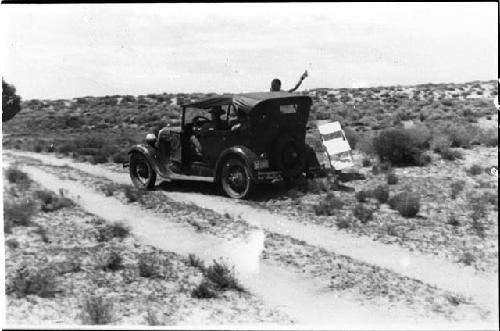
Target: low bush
point(467, 258)
point(456, 188)
point(42, 232)
point(401, 147)
point(391, 178)
point(453, 221)
point(18, 177)
point(361, 196)
point(406, 203)
point(196, 262)
point(343, 223)
point(153, 265)
point(120, 157)
point(133, 194)
point(96, 310)
point(19, 212)
point(474, 170)
point(381, 193)
point(328, 206)
point(451, 154)
point(489, 138)
point(363, 213)
point(113, 230)
point(110, 260)
point(49, 201)
point(205, 290)
point(32, 280)
point(12, 243)
point(222, 277)
point(366, 162)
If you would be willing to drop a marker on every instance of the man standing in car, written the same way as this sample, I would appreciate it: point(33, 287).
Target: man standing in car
point(276, 84)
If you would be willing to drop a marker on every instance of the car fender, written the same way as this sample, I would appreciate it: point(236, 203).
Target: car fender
point(149, 152)
point(246, 154)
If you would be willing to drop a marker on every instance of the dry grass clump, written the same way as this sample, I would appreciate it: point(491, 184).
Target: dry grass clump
point(18, 212)
point(49, 201)
point(328, 206)
point(474, 170)
point(391, 178)
point(110, 260)
point(381, 193)
point(97, 309)
point(362, 195)
point(18, 177)
point(32, 279)
point(113, 230)
point(456, 188)
point(153, 265)
point(363, 213)
point(217, 277)
point(12, 243)
point(133, 194)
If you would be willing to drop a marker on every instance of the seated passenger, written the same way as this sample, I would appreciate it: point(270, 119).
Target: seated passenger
point(216, 123)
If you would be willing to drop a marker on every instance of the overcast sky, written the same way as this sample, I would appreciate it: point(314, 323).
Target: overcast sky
point(60, 51)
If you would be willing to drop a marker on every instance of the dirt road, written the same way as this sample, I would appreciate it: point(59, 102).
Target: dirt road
point(304, 298)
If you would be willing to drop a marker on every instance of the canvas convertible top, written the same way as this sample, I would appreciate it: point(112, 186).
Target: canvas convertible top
point(247, 101)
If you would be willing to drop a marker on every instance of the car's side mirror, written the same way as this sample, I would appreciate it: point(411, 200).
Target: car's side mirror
point(150, 139)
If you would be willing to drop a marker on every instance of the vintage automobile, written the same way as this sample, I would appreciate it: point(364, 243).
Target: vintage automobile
point(261, 139)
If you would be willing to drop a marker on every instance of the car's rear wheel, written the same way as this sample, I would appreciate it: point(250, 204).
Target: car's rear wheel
point(236, 179)
point(141, 172)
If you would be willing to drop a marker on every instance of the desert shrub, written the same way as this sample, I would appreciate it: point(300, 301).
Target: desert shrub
point(406, 203)
point(391, 178)
point(196, 262)
point(363, 213)
point(461, 135)
point(97, 309)
point(381, 193)
point(205, 290)
point(109, 189)
point(19, 212)
point(440, 142)
point(451, 154)
point(12, 243)
point(366, 162)
point(49, 201)
point(7, 225)
point(120, 157)
point(453, 221)
point(328, 205)
point(152, 318)
point(375, 169)
point(99, 158)
point(66, 148)
point(113, 230)
point(110, 260)
point(152, 265)
point(489, 138)
point(42, 232)
point(32, 280)
point(343, 223)
point(467, 258)
point(362, 195)
point(18, 177)
point(474, 170)
point(456, 188)
point(133, 194)
point(352, 137)
point(401, 147)
point(38, 148)
point(222, 277)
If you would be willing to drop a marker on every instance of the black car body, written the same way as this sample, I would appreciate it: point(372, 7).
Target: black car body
point(261, 139)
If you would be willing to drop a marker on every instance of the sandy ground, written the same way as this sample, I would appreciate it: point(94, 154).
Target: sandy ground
point(308, 303)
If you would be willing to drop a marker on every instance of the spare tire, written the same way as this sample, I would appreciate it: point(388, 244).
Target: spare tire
point(289, 155)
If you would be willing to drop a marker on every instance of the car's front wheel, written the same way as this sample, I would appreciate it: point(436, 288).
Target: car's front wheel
point(236, 179)
point(141, 172)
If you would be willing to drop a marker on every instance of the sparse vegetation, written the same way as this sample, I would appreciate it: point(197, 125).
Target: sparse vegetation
point(474, 170)
point(37, 280)
point(329, 205)
point(97, 309)
point(381, 193)
point(113, 230)
point(401, 147)
point(19, 212)
point(222, 277)
point(205, 290)
point(391, 178)
point(363, 213)
point(343, 222)
point(456, 188)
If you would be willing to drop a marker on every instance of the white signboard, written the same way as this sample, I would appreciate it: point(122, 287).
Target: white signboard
point(336, 145)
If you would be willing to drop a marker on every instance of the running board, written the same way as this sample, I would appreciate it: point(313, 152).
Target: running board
point(174, 176)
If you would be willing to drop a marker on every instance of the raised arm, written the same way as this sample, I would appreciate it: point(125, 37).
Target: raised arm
point(304, 75)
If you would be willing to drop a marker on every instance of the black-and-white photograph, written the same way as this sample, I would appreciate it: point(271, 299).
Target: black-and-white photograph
point(268, 166)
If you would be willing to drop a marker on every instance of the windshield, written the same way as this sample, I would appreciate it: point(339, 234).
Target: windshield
point(193, 112)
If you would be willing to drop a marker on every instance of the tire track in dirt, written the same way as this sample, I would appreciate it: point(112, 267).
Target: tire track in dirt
point(483, 288)
point(300, 297)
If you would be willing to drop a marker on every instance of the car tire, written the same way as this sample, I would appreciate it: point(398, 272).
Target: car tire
point(236, 178)
point(141, 172)
point(289, 156)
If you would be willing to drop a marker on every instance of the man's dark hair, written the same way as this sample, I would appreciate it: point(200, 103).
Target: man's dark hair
point(275, 85)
